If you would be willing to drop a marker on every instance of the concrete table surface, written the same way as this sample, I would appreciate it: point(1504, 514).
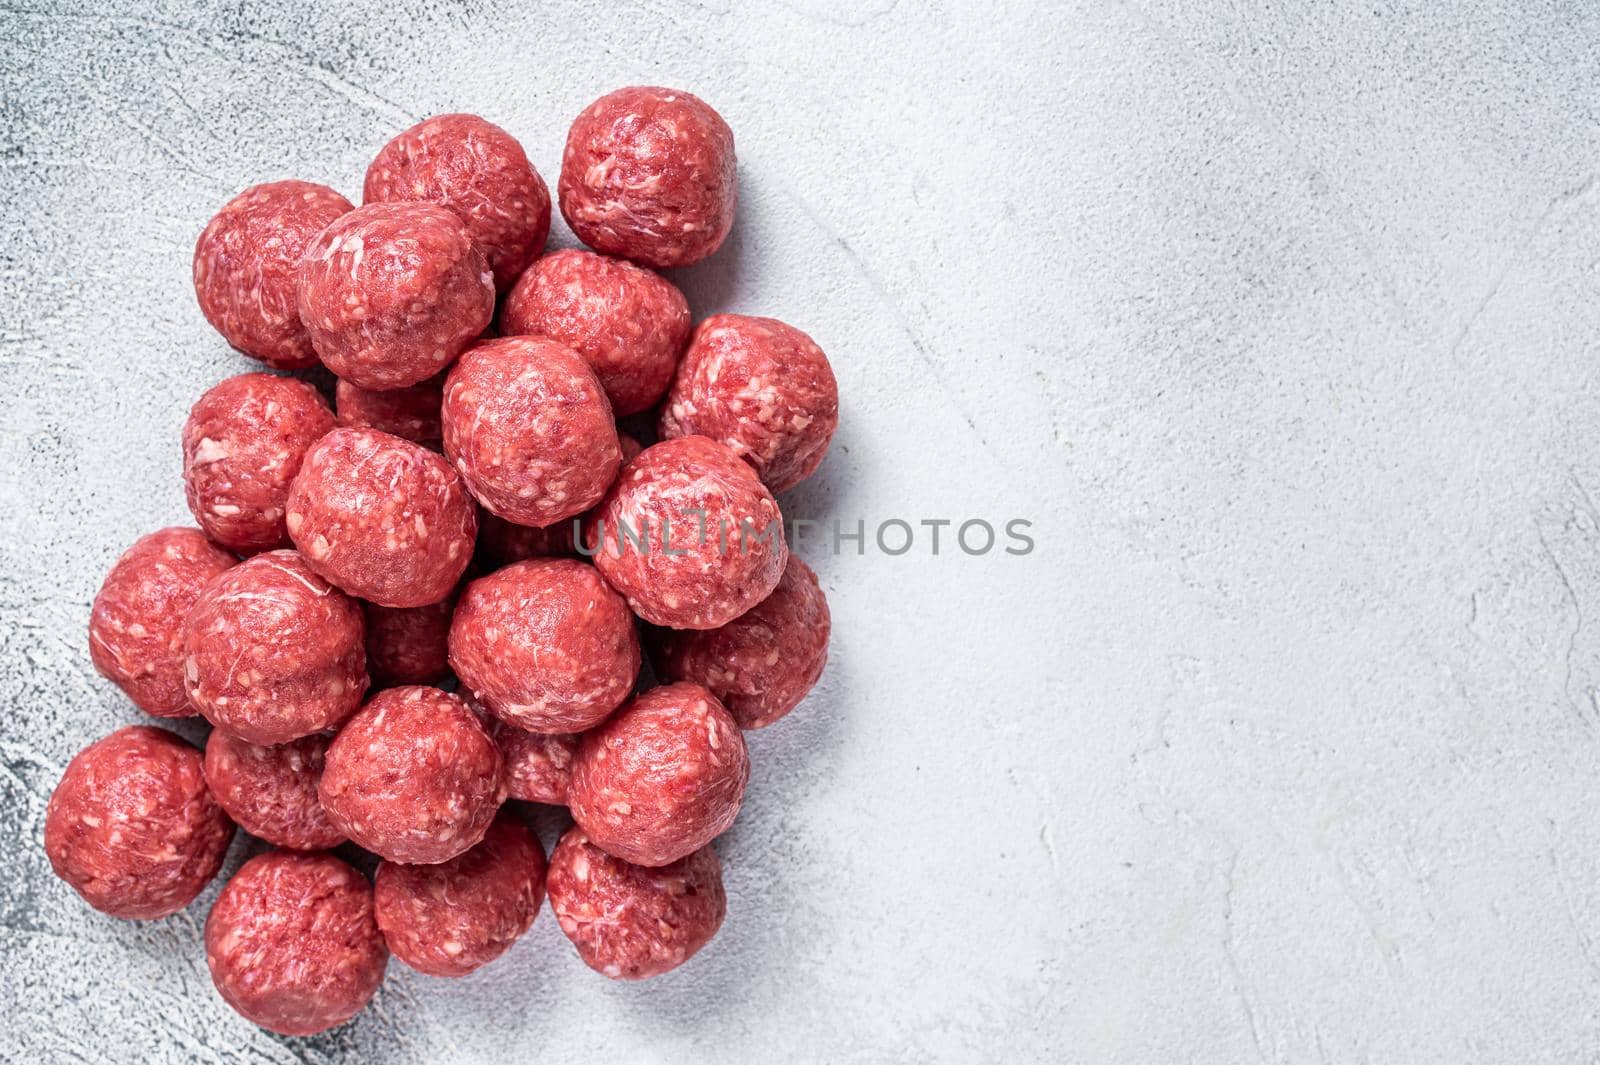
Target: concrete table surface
point(1280, 323)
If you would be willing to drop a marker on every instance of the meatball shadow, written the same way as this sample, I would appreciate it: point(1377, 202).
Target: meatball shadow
point(711, 284)
point(768, 859)
point(549, 823)
point(528, 974)
point(770, 874)
point(810, 509)
point(768, 856)
point(319, 377)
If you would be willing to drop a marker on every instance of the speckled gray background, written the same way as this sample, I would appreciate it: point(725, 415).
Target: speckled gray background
point(1281, 321)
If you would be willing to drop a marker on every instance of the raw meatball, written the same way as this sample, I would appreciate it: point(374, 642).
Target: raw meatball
point(245, 264)
point(292, 943)
point(629, 324)
point(408, 645)
point(649, 174)
point(689, 535)
point(135, 625)
point(545, 645)
point(454, 917)
point(762, 663)
point(529, 427)
point(382, 518)
point(763, 388)
point(538, 764)
point(392, 292)
point(502, 542)
point(273, 652)
point(480, 172)
point(413, 777)
point(630, 922)
point(271, 792)
point(131, 826)
point(662, 777)
point(242, 445)
point(409, 413)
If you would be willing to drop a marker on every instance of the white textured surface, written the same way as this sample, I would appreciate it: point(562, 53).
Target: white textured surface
point(1281, 320)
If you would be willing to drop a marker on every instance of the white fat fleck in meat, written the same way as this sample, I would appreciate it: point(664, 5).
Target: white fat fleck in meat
point(355, 247)
point(208, 451)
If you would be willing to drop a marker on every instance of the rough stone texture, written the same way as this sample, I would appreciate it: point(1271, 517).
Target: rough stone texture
point(1280, 320)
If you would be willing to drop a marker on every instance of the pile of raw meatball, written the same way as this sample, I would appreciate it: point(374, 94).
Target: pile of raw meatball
point(439, 592)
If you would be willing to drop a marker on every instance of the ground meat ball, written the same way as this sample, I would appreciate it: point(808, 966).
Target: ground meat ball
point(408, 645)
point(273, 652)
point(538, 764)
point(454, 917)
point(629, 324)
point(662, 777)
point(649, 174)
point(689, 535)
point(502, 542)
point(382, 518)
point(409, 413)
point(392, 292)
point(131, 826)
point(245, 265)
point(545, 645)
point(529, 427)
point(630, 922)
point(292, 943)
point(762, 663)
point(271, 792)
point(135, 625)
point(480, 172)
point(413, 777)
point(242, 446)
point(763, 388)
